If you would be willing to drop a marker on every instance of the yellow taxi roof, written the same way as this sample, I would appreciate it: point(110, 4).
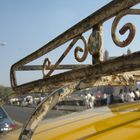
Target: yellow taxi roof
point(119, 122)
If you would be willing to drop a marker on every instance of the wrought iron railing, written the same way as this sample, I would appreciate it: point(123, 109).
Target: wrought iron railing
point(93, 46)
point(81, 76)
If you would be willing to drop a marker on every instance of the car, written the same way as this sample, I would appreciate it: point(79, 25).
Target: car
point(6, 123)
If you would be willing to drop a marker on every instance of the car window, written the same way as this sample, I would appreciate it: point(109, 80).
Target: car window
point(2, 114)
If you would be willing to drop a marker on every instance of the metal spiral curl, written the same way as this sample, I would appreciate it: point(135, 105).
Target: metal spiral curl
point(79, 49)
point(126, 27)
point(46, 64)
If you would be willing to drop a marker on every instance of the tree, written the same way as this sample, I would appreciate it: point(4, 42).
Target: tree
point(5, 91)
point(106, 55)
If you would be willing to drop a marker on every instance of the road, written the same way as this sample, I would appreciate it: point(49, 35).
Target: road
point(19, 114)
point(22, 114)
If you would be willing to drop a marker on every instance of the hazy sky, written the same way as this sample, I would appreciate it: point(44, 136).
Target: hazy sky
point(27, 25)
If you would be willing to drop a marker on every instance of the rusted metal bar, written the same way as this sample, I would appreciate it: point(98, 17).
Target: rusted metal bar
point(115, 66)
point(123, 79)
point(59, 67)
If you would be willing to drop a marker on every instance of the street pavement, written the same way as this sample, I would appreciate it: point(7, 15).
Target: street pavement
point(22, 114)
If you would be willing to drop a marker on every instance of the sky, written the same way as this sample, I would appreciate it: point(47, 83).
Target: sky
point(27, 25)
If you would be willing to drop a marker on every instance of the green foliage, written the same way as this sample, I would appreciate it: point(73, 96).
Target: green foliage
point(5, 91)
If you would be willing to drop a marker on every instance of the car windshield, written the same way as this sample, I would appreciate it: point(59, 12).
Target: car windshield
point(2, 114)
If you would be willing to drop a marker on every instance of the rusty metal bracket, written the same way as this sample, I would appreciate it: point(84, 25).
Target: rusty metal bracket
point(43, 108)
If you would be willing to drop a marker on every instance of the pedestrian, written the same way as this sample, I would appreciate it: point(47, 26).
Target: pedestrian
point(108, 99)
point(91, 101)
point(121, 95)
point(130, 96)
point(86, 101)
point(104, 99)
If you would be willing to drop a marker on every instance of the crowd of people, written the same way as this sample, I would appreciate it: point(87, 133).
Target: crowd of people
point(89, 100)
point(124, 96)
point(130, 95)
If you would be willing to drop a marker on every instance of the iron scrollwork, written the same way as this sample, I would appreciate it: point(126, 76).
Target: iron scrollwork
point(77, 57)
point(126, 27)
point(46, 64)
point(79, 49)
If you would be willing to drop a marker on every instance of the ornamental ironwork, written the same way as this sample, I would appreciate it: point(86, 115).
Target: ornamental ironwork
point(81, 75)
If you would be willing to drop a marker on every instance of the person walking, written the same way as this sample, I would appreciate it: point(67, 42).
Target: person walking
point(85, 100)
point(130, 96)
point(91, 101)
point(104, 99)
point(88, 98)
point(121, 94)
point(108, 99)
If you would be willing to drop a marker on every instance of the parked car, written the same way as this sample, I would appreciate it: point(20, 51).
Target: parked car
point(6, 123)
